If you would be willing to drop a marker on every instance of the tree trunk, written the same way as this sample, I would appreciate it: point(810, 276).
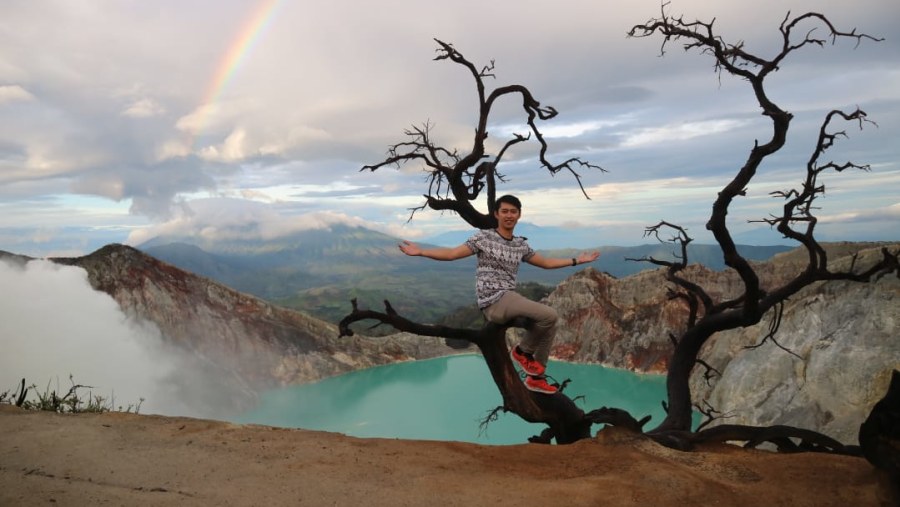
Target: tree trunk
point(679, 412)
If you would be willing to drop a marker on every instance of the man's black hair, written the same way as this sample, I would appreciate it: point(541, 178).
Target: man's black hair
point(509, 199)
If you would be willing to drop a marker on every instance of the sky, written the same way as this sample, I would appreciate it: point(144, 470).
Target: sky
point(121, 120)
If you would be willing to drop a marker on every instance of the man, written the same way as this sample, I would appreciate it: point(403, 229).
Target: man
point(499, 255)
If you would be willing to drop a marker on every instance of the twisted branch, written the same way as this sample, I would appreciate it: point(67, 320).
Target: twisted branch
point(456, 180)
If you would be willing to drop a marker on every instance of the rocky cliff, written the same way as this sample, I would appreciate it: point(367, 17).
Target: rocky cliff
point(247, 343)
point(842, 338)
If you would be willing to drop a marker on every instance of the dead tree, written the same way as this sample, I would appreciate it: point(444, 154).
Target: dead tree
point(708, 316)
point(457, 180)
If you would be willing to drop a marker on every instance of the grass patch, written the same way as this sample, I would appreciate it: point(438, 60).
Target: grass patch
point(73, 401)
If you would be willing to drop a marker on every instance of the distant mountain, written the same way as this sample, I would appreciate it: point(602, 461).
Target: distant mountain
point(615, 259)
point(319, 271)
point(555, 237)
point(538, 237)
point(560, 242)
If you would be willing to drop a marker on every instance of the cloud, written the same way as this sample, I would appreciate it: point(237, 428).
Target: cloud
point(888, 215)
point(233, 149)
point(144, 108)
point(14, 93)
point(218, 117)
point(152, 188)
point(679, 132)
point(559, 129)
point(172, 148)
point(220, 219)
point(244, 144)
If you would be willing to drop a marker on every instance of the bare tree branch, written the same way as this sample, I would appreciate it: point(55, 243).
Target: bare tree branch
point(797, 220)
point(779, 435)
point(709, 372)
point(457, 180)
point(682, 240)
point(774, 324)
point(711, 415)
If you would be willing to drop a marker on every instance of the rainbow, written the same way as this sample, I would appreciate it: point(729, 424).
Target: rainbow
point(231, 61)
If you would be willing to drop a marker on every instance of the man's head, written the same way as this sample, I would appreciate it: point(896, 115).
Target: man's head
point(507, 213)
point(511, 200)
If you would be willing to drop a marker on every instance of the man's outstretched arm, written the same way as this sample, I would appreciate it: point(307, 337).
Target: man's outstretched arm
point(555, 263)
point(438, 254)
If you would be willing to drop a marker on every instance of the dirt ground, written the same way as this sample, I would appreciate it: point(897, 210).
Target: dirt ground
point(128, 459)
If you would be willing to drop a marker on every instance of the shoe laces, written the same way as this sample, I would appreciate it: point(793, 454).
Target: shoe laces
point(549, 378)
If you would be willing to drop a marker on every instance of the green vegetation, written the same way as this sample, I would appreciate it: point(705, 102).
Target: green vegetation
point(319, 271)
point(427, 297)
point(71, 402)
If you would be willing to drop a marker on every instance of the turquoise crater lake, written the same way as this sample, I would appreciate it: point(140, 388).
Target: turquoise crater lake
point(443, 399)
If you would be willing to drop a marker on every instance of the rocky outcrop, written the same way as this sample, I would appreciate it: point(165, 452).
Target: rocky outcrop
point(843, 343)
point(842, 338)
point(250, 344)
point(625, 323)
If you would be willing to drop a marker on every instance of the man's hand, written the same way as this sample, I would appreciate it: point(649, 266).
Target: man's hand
point(585, 257)
point(410, 248)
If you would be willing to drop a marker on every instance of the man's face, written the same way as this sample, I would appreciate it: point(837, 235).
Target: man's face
point(507, 215)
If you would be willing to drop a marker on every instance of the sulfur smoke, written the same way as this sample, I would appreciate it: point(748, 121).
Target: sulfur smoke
point(53, 324)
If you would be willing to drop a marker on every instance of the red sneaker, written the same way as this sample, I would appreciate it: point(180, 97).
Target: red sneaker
point(539, 385)
point(526, 361)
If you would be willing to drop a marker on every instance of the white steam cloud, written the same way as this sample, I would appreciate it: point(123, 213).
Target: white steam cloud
point(54, 324)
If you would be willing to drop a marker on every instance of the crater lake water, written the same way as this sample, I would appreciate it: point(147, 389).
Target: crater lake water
point(444, 399)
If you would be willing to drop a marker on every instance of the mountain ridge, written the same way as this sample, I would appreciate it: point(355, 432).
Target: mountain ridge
point(319, 270)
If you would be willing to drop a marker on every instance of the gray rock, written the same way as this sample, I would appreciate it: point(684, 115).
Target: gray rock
point(845, 334)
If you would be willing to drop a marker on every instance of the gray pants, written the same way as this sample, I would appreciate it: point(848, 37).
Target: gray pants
point(539, 338)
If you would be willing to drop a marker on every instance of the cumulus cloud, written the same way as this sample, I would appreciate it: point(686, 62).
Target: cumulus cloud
point(233, 149)
point(198, 118)
point(679, 132)
point(152, 188)
point(144, 108)
point(250, 141)
point(172, 148)
point(560, 129)
point(217, 117)
point(55, 325)
point(887, 215)
point(14, 93)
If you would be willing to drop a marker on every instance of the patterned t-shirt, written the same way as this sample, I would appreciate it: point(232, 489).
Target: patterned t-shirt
point(498, 264)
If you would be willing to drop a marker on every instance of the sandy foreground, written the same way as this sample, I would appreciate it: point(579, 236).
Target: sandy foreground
point(128, 459)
